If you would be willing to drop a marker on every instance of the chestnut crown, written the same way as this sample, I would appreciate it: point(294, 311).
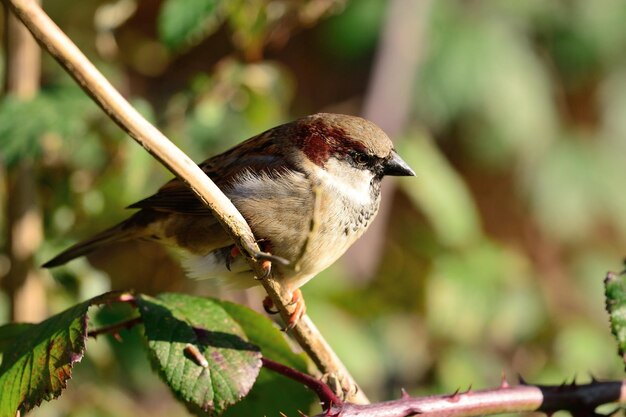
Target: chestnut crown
point(356, 140)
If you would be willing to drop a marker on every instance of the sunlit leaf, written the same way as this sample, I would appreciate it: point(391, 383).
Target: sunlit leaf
point(39, 361)
point(199, 350)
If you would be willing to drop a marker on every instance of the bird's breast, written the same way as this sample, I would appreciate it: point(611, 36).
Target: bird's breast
point(304, 220)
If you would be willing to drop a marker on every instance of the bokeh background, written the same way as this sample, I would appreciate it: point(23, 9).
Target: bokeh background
point(491, 261)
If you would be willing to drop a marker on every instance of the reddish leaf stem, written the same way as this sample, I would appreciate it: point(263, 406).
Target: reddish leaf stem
point(114, 328)
point(325, 394)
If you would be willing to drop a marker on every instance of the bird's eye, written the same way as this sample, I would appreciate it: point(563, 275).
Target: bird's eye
point(359, 158)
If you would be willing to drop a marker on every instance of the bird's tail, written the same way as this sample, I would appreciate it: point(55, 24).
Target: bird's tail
point(120, 232)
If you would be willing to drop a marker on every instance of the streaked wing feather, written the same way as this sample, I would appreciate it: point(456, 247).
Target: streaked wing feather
point(260, 153)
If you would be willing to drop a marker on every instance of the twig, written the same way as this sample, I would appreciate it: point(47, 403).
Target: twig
point(115, 106)
point(114, 328)
point(324, 393)
point(581, 400)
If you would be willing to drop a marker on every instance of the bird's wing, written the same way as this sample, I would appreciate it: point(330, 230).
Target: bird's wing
point(256, 155)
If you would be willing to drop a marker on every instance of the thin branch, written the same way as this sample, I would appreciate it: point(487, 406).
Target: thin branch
point(104, 94)
point(115, 328)
point(323, 391)
point(581, 400)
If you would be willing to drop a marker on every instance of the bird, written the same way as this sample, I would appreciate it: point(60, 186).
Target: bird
point(308, 189)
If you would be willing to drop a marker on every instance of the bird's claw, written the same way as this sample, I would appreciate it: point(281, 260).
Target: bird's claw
point(268, 306)
point(299, 309)
point(266, 256)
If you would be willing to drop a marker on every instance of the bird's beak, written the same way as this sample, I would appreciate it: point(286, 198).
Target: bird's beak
point(395, 166)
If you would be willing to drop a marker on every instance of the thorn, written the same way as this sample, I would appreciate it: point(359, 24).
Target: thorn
point(405, 395)
point(594, 380)
point(302, 414)
point(469, 389)
point(521, 380)
point(454, 397)
point(282, 414)
point(503, 382)
point(117, 337)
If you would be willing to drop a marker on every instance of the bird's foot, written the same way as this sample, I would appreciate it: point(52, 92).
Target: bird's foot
point(266, 259)
point(299, 309)
point(297, 305)
point(263, 256)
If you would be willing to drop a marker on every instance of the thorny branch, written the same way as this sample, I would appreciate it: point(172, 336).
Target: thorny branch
point(53, 40)
point(579, 400)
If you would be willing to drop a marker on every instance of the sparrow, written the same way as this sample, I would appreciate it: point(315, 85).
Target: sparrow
point(308, 189)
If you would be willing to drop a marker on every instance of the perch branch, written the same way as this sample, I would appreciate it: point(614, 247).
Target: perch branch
point(53, 40)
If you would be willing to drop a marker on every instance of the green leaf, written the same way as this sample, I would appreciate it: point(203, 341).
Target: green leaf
point(38, 366)
point(615, 292)
point(272, 393)
point(199, 351)
point(9, 332)
point(183, 22)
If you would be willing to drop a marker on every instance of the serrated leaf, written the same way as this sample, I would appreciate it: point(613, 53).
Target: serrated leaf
point(183, 332)
point(183, 22)
point(38, 366)
point(615, 292)
point(272, 393)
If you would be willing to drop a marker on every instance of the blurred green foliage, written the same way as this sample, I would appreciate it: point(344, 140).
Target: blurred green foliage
point(494, 255)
